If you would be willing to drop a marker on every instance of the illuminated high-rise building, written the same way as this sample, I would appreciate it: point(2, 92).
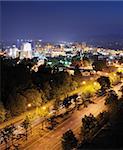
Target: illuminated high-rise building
point(13, 52)
point(26, 50)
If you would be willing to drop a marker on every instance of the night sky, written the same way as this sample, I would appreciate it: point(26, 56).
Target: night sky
point(62, 21)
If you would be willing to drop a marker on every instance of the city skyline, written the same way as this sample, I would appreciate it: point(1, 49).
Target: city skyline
point(61, 75)
point(62, 21)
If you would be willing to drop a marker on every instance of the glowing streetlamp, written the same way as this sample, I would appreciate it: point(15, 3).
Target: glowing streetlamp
point(44, 108)
point(95, 83)
point(29, 105)
point(83, 82)
point(114, 74)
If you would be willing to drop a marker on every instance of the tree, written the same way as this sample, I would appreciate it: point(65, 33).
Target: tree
point(26, 124)
point(86, 98)
point(102, 118)
point(69, 140)
point(120, 105)
point(33, 96)
point(121, 89)
point(16, 104)
point(11, 130)
point(112, 104)
point(2, 112)
point(19, 99)
point(61, 84)
point(111, 98)
point(12, 76)
point(89, 123)
point(77, 70)
point(99, 65)
point(4, 138)
point(104, 83)
point(76, 61)
point(56, 104)
point(120, 102)
point(7, 134)
point(47, 89)
point(119, 74)
point(43, 75)
point(114, 78)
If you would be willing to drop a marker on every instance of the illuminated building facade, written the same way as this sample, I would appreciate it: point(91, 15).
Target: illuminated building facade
point(13, 52)
point(26, 50)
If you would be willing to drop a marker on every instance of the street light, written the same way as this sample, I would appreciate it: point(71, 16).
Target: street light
point(114, 74)
point(44, 108)
point(95, 83)
point(29, 105)
point(83, 82)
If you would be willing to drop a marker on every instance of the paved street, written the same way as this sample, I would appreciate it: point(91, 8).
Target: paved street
point(52, 139)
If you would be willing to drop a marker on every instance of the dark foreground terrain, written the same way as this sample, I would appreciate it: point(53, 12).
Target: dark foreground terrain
point(111, 137)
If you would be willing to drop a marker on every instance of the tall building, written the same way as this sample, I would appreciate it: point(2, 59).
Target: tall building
point(13, 52)
point(26, 50)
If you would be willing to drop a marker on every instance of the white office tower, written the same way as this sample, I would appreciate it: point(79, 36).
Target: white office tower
point(13, 52)
point(26, 50)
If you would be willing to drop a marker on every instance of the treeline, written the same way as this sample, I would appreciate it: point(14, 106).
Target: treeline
point(20, 86)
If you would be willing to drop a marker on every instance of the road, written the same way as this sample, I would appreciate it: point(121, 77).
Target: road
point(52, 140)
point(17, 120)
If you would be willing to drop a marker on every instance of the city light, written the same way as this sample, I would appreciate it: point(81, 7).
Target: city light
point(44, 108)
point(114, 74)
point(84, 82)
point(95, 83)
point(61, 75)
point(29, 105)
